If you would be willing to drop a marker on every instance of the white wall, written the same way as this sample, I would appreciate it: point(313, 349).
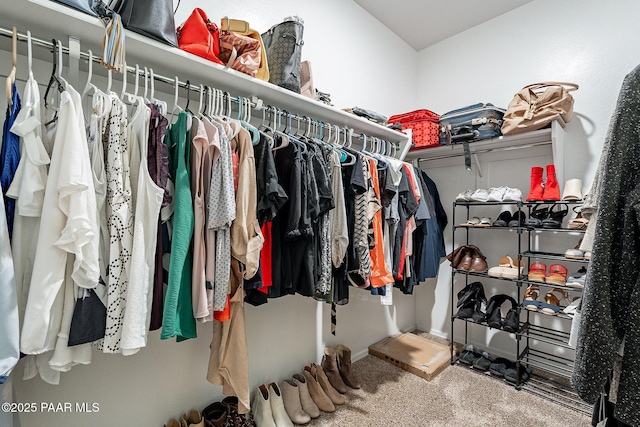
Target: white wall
point(581, 41)
point(346, 47)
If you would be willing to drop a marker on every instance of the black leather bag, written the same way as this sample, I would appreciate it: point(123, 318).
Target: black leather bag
point(151, 18)
point(283, 43)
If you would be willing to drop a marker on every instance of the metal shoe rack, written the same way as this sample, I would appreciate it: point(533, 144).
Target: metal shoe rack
point(551, 372)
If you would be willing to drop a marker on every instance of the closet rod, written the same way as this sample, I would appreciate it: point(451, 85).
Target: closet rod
point(8, 32)
point(488, 150)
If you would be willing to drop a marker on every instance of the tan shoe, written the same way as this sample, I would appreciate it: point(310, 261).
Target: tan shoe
point(308, 405)
point(192, 419)
point(316, 392)
point(291, 400)
point(344, 365)
point(330, 367)
point(261, 408)
point(333, 394)
point(280, 415)
point(173, 423)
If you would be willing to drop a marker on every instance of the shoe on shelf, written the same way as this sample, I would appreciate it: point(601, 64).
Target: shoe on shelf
point(536, 188)
point(552, 300)
point(551, 191)
point(537, 272)
point(472, 222)
point(514, 271)
point(494, 313)
point(557, 275)
point(478, 262)
point(587, 255)
point(483, 362)
point(579, 222)
point(575, 253)
point(480, 195)
point(511, 374)
point(576, 280)
point(572, 190)
point(554, 217)
point(464, 196)
point(496, 194)
point(504, 263)
point(530, 300)
point(536, 216)
point(484, 222)
point(500, 365)
point(518, 219)
point(570, 310)
point(469, 355)
point(503, 219)
point(512, 195)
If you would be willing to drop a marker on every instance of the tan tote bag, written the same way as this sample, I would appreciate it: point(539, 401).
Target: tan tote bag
point(536, 105)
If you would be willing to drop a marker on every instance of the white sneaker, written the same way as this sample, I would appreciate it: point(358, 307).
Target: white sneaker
point(464, 196)
point(496, 194)
point(512, 195)
point(480, 195)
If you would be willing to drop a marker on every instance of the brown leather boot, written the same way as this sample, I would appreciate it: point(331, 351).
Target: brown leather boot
point(335, 397)
point(330, 366)
point(344, 365)
point(216, 414)
point(316, 392)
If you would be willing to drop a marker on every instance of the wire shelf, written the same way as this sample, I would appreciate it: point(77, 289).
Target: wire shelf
point(551, 255)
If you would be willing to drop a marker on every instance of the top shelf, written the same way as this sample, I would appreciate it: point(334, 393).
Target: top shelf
point(47, 19)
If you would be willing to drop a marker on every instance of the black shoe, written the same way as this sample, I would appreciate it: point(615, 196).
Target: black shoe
point(554, 218)
point(500, 365)
point(518, 219)
point(469, 293)
point(511, 321)
point(503, 219)
point(536, 216)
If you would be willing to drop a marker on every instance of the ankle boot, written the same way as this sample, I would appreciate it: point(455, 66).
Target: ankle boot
point(238, 419)
point(192, 419)
point(316, 392)
point(215, 415)
point(308, 405)
point(344, 365)
point(261, 408)
point(277, 407)
point(551, 188)
point(173, 423)
point(333, 394)
point(291, 400)
point(536, 189)
point(330, 366)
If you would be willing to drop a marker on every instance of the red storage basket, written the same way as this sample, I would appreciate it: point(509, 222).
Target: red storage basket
point(425, 126)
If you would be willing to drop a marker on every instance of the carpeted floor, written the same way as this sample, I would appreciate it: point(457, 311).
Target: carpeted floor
point(457, 397)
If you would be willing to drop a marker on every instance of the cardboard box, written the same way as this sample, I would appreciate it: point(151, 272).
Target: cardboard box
point(414, 354)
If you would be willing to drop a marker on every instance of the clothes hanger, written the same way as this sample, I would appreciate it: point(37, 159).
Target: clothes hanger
point(53, 80)
point(11, 78)
point(282, 136)
point(162, 106)
point(176, 107)
point(246, 121)
point(89, 87)
point(200, 104)
point(146, 85)
point(109, 79)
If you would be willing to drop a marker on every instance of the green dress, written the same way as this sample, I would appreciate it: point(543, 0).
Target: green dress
point(177, 318)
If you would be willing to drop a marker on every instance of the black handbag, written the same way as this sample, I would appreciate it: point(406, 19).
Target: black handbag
point(283, 43)
point(151, 18)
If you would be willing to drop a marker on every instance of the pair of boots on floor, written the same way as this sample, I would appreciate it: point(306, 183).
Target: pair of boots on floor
point(218, 414)
point(301, 398)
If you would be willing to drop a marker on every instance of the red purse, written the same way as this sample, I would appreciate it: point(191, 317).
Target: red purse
point(200, 36)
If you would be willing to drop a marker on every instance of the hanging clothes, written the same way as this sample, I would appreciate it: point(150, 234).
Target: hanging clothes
point(148, 199)
point(9, 329)
point(158, 164)
point(177, 319)
point(229, 360)
point(27, 188)
point(120, 221)
point(9, 156)
point(67, 250)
